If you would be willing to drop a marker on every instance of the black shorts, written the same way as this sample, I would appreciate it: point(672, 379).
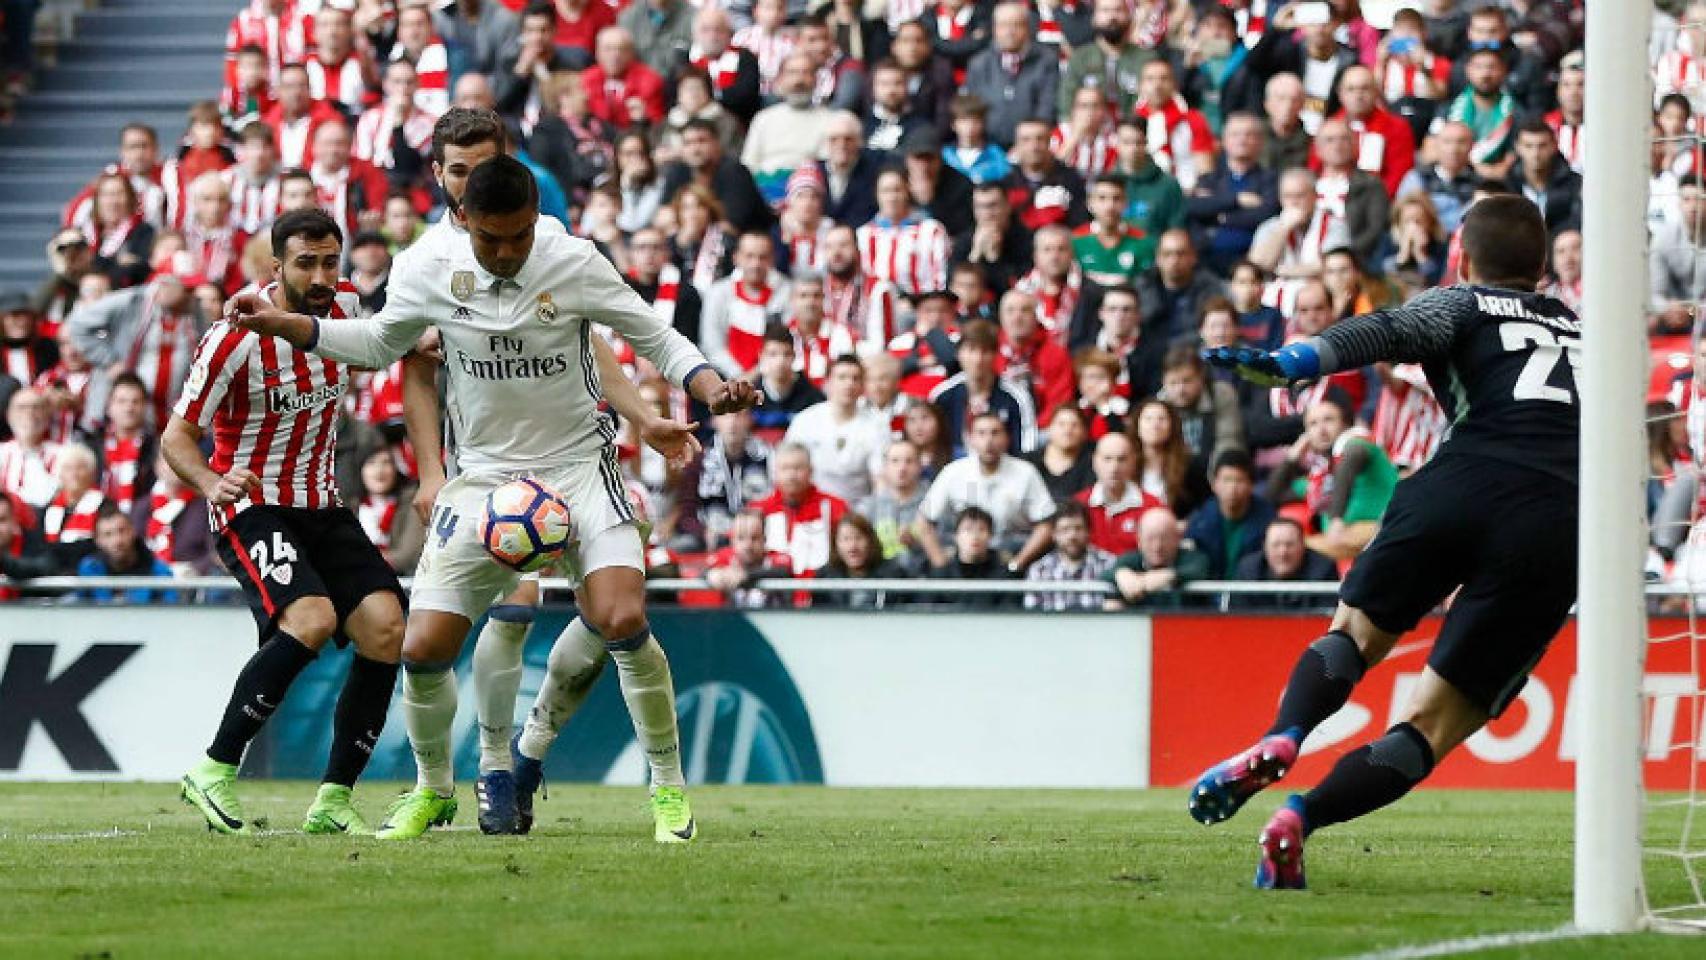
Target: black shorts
point(1506, 535)
point(280, 554)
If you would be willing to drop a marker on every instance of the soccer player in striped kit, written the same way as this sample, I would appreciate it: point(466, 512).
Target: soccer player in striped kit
point(306, 566)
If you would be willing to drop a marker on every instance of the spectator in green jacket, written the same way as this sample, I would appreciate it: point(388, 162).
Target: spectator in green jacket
point(1112, 63)
point(1152, 575)
point(1154, 202)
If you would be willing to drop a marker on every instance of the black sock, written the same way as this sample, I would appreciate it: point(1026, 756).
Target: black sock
point(1370, 777)
point(1320, 684)
point(360, 716)
point(257, 693)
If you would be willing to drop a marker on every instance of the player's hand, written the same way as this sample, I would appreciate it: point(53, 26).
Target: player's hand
point(673, 439)
point(1257, 366)
point(233, 487)
point(426, 495)
point(430, 345)
point(735, 395)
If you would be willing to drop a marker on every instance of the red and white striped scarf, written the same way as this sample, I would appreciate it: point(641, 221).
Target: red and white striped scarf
point(19, 362)
point(1252, 20)
point(1678, 71)
point(1319, 483)
point(163, 332)
point(377, 515)
point(1331, 192)
point(723, 68)
point(1054, 310)
point(163, 512)
point(123, 457)
point(1572, 139)
point(1171, 138)
point(708, 262)
point(1408, 422)
point(1048, 25)
point(253, 205)
point(748, 314)
point(109, 241)
point(669, 291)
point(216, 250)
point(805, 251)
point(66, 522)
point(863, 307)
point(952, 25)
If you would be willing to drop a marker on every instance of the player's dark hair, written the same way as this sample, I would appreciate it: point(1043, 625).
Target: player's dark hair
point(754, 235)
point(1493, 188)
point(1234, 459)
point(310, 223)
point(1505, 241)
point(974, 515)
point(500, 185)
point(1070, 509)
point(464, 127)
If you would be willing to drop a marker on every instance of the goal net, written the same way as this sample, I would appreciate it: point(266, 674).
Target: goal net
point(1672, 678)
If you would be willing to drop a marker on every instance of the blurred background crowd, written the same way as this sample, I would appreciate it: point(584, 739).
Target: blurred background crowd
point(969, 251)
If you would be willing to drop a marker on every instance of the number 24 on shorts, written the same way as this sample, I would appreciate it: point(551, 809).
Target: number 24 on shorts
point(273, 564)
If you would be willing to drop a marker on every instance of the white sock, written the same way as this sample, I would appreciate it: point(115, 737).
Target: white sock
point(497, 677)
point(577, 660)
point(650, 694)
point(429, 710)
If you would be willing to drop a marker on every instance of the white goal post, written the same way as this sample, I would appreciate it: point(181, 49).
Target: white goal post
point(1612, 626)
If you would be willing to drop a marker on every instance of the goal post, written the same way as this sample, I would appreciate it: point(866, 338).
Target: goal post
point(1612, 627)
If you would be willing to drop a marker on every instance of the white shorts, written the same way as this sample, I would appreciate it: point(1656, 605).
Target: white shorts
point(457, 575)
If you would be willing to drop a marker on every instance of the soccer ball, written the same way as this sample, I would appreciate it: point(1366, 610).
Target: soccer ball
point(525, 525)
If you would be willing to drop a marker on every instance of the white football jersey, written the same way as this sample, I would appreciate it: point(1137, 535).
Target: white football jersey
point(523, 389)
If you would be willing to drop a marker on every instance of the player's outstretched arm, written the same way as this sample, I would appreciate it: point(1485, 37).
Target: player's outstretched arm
point(373, 342)
point(1420, 330)
point(668, 436)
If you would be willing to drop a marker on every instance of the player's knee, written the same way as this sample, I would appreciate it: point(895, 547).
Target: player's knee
point(384, 641)
point(617, 621)
point(310, 620)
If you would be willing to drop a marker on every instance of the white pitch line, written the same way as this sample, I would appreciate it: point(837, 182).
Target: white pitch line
point(1463, 945)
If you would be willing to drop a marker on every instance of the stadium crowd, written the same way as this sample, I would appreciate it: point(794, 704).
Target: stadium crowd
point(969, 251)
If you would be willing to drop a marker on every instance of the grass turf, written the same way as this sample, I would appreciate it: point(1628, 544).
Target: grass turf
point(780, 872)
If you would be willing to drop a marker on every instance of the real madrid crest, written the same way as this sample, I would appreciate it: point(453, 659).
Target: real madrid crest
point(545, 309)
point(462, 284)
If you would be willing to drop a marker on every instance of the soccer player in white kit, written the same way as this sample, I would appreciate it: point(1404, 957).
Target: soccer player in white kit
point(515, 312)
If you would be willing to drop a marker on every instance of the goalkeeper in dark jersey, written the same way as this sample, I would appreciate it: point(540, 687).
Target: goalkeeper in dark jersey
point(1494, 513)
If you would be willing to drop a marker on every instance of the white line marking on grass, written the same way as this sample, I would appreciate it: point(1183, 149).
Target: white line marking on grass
point(112, 834)
point(1463, 945)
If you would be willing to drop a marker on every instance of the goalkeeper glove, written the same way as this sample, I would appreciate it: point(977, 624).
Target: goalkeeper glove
point(1299, 361)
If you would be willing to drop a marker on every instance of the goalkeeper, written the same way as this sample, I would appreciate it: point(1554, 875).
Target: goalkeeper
point(1492, 516)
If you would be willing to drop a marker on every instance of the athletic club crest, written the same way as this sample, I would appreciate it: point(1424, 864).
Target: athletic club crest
point(545, 309)
point(462, 284)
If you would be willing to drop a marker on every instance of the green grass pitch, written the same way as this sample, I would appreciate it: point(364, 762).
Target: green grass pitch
point(781, 872)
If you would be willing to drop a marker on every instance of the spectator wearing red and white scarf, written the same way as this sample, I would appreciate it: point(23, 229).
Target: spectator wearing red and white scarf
point(1682, 69)
point(139, 162)
point(417, 44)
point(396, 136)
point(1086, 140)
point(858, 303)
point(336, 69)
point(816, 344)
point(958, 30)
point(1385, 146)
point(346, 187)
point(382, 510)
point(255, 185)
point(1180, 140)
point(1569, 119)
point(1030, 359)
point(740, 307)
point(1290, 245)
point(127, 446)
point(734, 72)
point(899, 246)
point(802, 227)
point(927, 352)
point(214, 245)
point(69, 515)
point(297, 117)
point(769, 38)
point(1055, 284)
point(174, 524)
point(278, 27)
point(66, 387)
point(27, 461)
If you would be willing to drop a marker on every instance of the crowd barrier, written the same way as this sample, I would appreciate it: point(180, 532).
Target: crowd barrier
point(790, 696)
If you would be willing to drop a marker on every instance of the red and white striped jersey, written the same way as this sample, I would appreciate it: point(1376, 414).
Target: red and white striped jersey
point(1092, 156)
point(218, 254)
point(432, 67)
point(273, 409)
point(1572, 139)
point(338, 82)
point(912, 255)
point(122, 459)
point(27, 472)
point(1177, 135)
point(1408, 421)
point(375, 139)
point(286, 38)
point(1401, 79)
point(770, 47)
point(254, 205)
point(1678, 71)
point(863, 306)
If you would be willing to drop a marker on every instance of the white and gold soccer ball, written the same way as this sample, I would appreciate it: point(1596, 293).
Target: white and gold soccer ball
point(525, 525)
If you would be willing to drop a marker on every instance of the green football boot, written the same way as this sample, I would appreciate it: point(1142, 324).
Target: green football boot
point(211, 787)
point(673, 816)
point(332, 812)
point(412, 813)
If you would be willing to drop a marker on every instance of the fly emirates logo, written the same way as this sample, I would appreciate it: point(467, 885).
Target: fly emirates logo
point(510, 361)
